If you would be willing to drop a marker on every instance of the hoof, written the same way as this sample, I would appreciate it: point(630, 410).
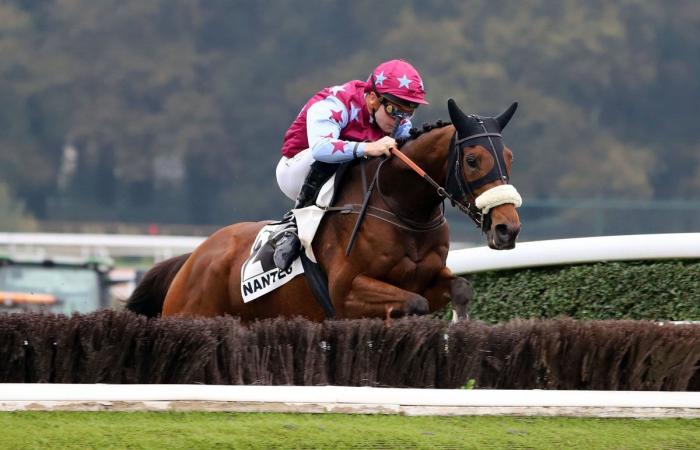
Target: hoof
point(417, 306)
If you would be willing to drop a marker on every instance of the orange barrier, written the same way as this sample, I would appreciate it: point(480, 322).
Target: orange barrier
point(23, 297)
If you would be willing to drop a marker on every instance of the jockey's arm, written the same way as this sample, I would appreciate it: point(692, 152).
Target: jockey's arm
point(325, 120)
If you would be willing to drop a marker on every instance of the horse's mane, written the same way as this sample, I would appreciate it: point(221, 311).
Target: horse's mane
point(414, 133)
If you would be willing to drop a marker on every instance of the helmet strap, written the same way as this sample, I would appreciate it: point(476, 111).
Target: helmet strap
point(373, 110)
point(374, 90)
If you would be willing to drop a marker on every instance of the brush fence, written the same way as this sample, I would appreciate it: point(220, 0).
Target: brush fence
point(291, 365)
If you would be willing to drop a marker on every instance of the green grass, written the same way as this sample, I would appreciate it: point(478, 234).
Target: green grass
point(82, 430)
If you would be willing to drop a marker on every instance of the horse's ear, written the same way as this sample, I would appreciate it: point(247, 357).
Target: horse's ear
point(505, 117)
point(459, 119)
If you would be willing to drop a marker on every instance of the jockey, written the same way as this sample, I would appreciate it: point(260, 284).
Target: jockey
point(338, 124)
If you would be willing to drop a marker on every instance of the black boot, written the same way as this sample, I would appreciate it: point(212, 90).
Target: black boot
point(287, 243)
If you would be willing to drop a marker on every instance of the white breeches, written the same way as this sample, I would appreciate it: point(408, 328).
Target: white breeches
point(291, 172)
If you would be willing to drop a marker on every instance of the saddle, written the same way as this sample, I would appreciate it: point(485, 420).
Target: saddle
point(259, 275)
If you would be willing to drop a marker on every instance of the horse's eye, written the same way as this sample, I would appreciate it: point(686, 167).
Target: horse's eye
point(471, 161)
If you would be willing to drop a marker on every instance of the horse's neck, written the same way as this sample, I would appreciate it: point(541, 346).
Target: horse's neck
point(404, 190)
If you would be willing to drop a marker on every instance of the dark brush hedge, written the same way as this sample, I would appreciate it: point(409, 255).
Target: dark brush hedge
point(660, 290)
point(121, 347)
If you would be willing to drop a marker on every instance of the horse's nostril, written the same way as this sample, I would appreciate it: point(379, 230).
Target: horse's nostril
point(502, 230)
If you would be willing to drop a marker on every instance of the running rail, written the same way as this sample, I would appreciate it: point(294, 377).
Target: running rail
point(133, 241)
point(340, 399)
point(470, 260)
point(159, 247)
point(575, 251)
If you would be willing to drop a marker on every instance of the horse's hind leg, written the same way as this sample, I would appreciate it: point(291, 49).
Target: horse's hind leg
point(369, 297)
point(448, 287)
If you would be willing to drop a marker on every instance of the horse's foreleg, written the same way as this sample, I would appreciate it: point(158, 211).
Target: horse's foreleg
point(369, 297)
point(448, 287)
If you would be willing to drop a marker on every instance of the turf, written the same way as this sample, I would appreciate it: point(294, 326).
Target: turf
point(81, 430)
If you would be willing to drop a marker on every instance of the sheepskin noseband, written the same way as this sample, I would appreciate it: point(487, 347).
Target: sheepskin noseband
point(504, 193)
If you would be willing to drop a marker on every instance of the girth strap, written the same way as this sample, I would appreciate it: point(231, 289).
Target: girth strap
point(318, 282)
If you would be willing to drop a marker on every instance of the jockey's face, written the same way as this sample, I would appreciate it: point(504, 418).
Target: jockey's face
point(386, 112)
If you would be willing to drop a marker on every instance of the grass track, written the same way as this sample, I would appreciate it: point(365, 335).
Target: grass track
point(81, 430)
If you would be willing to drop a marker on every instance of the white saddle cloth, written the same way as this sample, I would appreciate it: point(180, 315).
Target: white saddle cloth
point(259, 275)
point(309, 218)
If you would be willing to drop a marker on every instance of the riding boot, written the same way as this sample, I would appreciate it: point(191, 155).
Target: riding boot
point(286, 241)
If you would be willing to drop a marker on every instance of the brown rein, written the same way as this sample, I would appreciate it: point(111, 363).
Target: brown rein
point(406, 160)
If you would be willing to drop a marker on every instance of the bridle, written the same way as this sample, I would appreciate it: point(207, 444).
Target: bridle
point(457, 189)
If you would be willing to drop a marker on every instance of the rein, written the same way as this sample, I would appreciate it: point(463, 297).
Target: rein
point(467, 208)
point(454, 170)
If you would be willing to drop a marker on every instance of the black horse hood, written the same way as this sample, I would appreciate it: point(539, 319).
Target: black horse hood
point(468, 125)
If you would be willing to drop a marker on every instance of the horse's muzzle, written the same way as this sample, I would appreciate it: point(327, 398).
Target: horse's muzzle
point(502, 236)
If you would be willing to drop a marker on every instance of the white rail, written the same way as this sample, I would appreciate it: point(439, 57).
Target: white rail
point(159, 247)
point(348, 399)
point(469, 260)
point(576, 251)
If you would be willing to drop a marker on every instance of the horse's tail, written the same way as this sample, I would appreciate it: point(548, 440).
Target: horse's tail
point(149, 295)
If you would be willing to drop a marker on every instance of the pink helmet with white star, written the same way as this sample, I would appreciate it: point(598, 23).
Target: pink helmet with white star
point(399, 82)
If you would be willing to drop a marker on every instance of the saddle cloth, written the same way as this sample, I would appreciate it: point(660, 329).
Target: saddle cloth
point(259, 275)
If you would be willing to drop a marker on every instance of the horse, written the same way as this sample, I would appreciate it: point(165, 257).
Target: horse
point(397, 265)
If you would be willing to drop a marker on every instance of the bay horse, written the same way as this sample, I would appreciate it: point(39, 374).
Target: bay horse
point(398, 263)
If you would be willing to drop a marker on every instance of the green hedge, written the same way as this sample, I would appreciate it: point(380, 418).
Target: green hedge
point(654, 290)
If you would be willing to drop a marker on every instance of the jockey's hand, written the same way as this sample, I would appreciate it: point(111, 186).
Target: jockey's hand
point(381, 147)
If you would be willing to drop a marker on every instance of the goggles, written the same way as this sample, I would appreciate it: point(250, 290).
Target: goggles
point(393, 111)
